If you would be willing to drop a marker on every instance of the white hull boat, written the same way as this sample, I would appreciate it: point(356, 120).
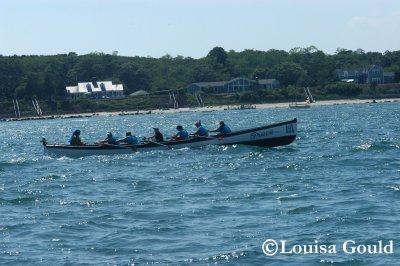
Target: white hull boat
point(278, 134)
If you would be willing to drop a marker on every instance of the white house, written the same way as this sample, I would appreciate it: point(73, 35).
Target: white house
point(96, 90)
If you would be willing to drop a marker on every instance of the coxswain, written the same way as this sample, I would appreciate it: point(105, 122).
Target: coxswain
point(76, 139)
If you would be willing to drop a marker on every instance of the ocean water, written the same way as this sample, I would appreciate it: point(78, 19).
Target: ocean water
point(339, 181)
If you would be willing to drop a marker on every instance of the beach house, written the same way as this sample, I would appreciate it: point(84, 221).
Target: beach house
point(232, 86)
point(367, 75)
point(96, 90)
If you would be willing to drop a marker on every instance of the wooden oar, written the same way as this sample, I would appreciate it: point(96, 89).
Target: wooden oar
point(219, 137)
point(203, 137)
point(133, 147)
point(159, 144)
point(154, 142)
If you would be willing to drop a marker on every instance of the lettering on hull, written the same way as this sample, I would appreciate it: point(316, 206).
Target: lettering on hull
point(290, 128)
point(261, 135)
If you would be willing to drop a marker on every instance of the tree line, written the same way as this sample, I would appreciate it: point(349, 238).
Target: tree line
point(46, 77)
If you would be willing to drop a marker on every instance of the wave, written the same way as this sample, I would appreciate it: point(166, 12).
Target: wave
point(293, 197)
point(395, 188)
point(19, 201)
point(304, 209)
point(50, 177)
point(226, 257)
point(347, 262)
point(20, 160)
point(381, 145)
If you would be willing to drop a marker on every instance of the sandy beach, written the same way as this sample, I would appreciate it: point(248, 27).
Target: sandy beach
point(258, 106)
point(203, 109)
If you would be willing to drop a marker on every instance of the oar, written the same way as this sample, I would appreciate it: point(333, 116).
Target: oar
point(203, 137)
point(159, 144)
point(149, 140)
point(121, 146)
point(220, 137)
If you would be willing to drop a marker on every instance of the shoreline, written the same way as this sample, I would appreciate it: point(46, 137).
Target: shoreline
point(201, 109)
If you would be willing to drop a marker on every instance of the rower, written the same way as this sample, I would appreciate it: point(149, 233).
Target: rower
point(181, 135)
point(110, 139)
point(201, 131)
point(129, 139)
point(223, 129)
point(158, 136)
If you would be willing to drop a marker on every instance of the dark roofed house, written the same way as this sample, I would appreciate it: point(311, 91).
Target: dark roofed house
point(368, 75)
point(375, 74)
point(352, 75)
point(234, 85)
point(196, 87)
point(388, 77)
point(269, 83)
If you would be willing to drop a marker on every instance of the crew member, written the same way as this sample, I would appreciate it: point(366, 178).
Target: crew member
point(181, 135)
point(223, 129)
point(129, 139)
point(158, 136)
point(76, 139)
point(110, 139)
point(201, 131)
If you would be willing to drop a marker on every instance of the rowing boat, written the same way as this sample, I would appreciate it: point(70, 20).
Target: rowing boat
point(273, 135)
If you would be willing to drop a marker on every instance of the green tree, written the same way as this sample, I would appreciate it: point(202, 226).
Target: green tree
point(290, 74)
point(343, 89)
point(218, 55)
point(133, 77)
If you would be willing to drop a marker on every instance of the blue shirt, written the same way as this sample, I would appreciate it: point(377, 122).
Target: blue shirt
point(202, 131)
point(183, 134)
point(224, 129)
point(111, 140)
point(132, 140)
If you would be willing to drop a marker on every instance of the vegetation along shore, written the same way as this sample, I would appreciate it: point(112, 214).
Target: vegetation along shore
point(32, 82)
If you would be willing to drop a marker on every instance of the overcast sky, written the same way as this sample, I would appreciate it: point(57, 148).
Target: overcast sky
point(191, 28)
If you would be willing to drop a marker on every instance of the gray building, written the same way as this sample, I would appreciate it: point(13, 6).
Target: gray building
point(372, 74)
point(234, 85)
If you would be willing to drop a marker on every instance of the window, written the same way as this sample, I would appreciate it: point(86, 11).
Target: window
point(103, 87)
point(89, 87)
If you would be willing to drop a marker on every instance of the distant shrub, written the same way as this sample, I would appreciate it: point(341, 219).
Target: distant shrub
point(344, 89)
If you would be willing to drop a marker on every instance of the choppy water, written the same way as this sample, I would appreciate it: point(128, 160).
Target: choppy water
point(340, 180)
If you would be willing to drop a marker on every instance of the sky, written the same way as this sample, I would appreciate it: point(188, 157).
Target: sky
point(191, 28)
